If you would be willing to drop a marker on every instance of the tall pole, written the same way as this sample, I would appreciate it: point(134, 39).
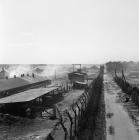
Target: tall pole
point(123, 76)
point(115, 73)
point(55, 74)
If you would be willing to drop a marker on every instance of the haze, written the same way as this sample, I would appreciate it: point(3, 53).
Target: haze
point(74, 31)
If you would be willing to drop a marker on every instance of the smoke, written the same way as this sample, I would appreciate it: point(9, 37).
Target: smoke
point(54, 70)
point(49, 71)
point(18, 70)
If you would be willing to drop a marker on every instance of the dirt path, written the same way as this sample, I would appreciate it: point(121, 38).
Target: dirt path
point(118, 123)
point(69, 99)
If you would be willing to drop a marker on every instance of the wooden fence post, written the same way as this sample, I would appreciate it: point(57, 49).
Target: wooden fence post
point(85, 100)
point(71, 123)
point(75, 120)
point(62, 124)
point(82, 108)
point(79, 110)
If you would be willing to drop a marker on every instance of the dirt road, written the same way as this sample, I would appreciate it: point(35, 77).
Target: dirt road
point(118, 123)
point(71, 97)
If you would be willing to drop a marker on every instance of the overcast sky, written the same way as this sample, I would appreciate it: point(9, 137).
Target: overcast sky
point(68, 31)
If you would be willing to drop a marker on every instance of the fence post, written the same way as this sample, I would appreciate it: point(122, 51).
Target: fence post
point(62, 124)
point(75, 126)
point(79, 110)
point(85, 99)
point(71, 123)
point(82, 107)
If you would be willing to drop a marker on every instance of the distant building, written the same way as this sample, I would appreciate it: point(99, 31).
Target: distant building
point(77, 76)
point(4, 74)
point(38, 70)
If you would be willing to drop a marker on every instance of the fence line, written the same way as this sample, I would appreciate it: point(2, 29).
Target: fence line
point(78, 113)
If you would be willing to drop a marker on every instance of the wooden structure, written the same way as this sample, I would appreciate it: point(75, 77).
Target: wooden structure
point(79, 85)
point(28, 102)
point(16, 85)
point(77, 75)
point(27, 95)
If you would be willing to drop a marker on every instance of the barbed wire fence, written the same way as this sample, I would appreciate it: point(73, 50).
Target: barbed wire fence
point(73, 120)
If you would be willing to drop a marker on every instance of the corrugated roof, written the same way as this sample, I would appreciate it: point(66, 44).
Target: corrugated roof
point(11, 83)
point(26, 95)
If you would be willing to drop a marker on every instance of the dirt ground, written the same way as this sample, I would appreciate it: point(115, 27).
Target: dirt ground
point(71, 97)
point(38, 128)
point(119, 126)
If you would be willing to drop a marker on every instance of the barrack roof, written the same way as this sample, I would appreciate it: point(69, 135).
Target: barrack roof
point(27, 95)
point(6, 84)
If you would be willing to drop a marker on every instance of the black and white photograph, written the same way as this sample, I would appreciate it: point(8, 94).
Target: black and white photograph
point(69, 70)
